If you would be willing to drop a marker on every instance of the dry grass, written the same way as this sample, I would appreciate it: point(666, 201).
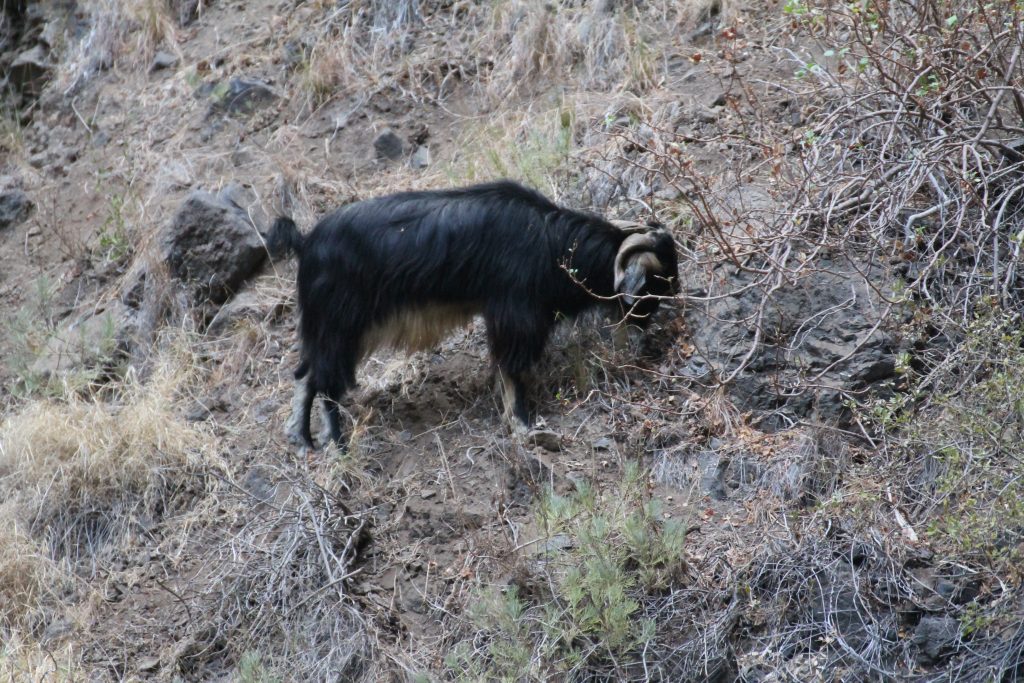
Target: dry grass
point(27, 574)
point(24, 661)
point(80, 467)
point(506, 49)
point(821, 528)
point(532, 146)
point(120, 31)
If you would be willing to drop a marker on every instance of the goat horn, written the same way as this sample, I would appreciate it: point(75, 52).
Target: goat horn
point(631, 248)
point(630, 226)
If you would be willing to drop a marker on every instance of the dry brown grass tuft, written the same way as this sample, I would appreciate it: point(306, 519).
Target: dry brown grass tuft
point(79, 468)
point(599, 48)
point(28, 662)
point(120, 31)
point(26, 574)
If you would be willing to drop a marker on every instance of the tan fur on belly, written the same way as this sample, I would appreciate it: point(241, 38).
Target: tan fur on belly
point(416, 329)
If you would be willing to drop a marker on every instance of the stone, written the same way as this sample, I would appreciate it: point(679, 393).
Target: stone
point(545, 438)
point(245, 308)
point(15, 207)
point(936, 637)
point(97, 340)
point(711, 470)
point(30, 71)
point(149, 664)
point(163, 60)
point(241, 96)
point(185, 11)
point(421, 157)
point(824, 324)
point(388, 146)
point(212, 246)
point(706, 114)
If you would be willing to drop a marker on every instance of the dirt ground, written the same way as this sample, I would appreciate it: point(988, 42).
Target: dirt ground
point(220, 576)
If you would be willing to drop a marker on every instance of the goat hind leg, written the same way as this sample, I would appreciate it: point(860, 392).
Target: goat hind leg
point(333, 412)
point(343, 378)
point(298, 429)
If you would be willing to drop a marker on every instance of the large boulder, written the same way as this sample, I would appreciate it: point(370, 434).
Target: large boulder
point(820, 338)
point(212, 246)
point(241, 96)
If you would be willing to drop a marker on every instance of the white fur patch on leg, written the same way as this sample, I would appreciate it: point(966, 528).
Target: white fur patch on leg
point(293, 428)
point(508, 400)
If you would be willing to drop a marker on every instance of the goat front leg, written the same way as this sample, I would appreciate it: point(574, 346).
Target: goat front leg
point(513, 394)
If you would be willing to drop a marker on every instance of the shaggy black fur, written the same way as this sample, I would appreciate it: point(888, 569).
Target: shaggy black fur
point(500, 249)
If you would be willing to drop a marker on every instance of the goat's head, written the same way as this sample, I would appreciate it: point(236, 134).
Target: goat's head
point(646, 269)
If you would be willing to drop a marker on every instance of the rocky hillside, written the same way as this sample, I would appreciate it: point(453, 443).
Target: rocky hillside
point(808, 468)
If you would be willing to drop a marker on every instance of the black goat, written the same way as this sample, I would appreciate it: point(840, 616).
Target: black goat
point(405, 269)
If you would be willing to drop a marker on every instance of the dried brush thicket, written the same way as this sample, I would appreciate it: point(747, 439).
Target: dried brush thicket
point(906, 160)
point(898, 155)
point(503, 49)
point(280, 585)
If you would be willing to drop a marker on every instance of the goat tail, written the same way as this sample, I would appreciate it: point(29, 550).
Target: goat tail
point(283, 239)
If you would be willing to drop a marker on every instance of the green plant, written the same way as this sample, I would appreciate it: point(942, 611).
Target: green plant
point(114, 238)
point(26, 336)
point(251, 669)
point(620, 554)
point(964, 421)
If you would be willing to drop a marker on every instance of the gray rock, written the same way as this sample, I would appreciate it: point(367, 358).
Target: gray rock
point(545, 438)
point(244, 308)
point(185, 11)
point(212, 246)
point(97, 340)
point(711, 469)
point(821, 325)
point(421, 157)
point(15, 207)
point(706, 114)
point(163, 60)
point(148, 664)
point(30, 71)
point(388, 146)
point(602, 444)
point(936, 637)
point(241, 96)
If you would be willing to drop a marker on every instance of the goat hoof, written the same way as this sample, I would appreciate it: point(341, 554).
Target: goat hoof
point(295, 439)
point(518, 430)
